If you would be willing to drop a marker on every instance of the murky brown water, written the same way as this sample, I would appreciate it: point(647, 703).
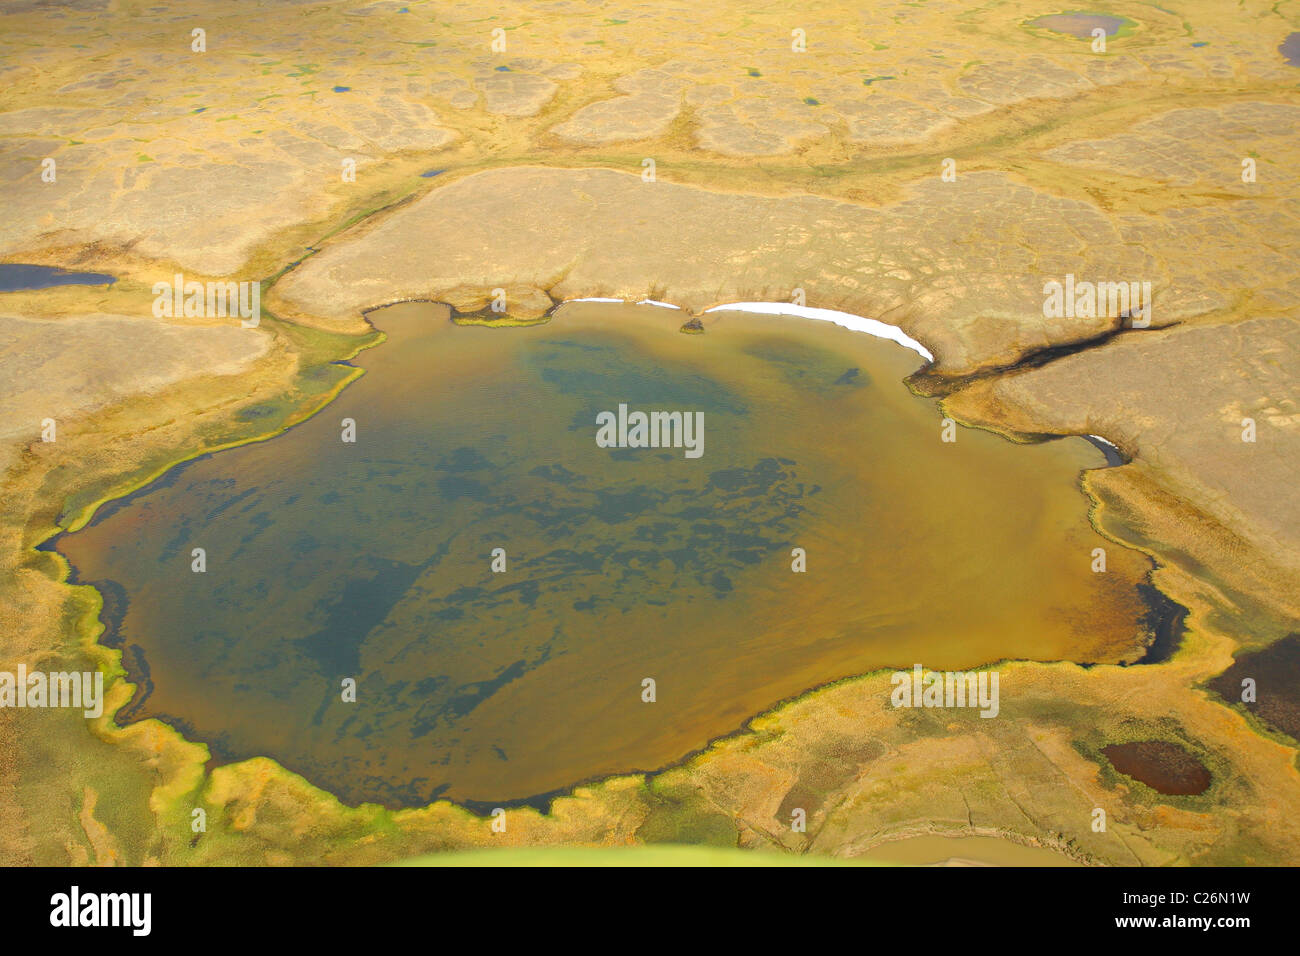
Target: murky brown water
point(1274, 672)
point(1163, 766)
point(328, 560)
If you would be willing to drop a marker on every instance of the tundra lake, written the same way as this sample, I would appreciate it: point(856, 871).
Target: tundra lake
point(372, 559)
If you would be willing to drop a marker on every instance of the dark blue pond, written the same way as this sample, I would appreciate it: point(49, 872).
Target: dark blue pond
point(18, 277)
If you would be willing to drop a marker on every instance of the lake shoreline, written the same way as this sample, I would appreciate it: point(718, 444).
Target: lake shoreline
point(108, 637)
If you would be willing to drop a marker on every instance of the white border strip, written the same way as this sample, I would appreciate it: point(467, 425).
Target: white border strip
point(857, 323)
point(595, 298)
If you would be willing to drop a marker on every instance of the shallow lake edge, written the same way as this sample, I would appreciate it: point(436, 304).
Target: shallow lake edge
point(96, 630)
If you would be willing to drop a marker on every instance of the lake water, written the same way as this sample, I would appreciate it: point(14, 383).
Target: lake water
point(18, 277)
point(1290, 49)
point(371, 560)
point(1080, 25)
